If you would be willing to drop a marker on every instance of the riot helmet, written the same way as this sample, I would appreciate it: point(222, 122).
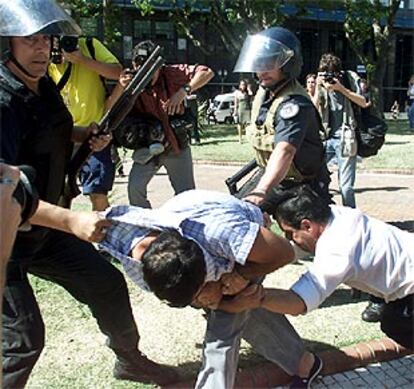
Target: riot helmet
point(28, 17)
point(273, 48)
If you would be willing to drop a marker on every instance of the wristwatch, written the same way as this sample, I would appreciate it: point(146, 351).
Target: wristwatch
point(187, 88)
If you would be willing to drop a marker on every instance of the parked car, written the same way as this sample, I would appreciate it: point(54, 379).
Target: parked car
point(221, 109)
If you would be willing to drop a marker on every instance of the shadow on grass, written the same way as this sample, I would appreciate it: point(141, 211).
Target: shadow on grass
point(396, 143)
point(342, 297)
point(215, 142)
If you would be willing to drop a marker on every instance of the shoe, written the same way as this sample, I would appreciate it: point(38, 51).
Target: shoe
point(141, 369)
point(300, 382)
point(373, 312)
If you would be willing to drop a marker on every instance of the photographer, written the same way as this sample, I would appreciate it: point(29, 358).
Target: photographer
point(79, 70)
point(335, 106)
point(163, 99)
point(37, 130)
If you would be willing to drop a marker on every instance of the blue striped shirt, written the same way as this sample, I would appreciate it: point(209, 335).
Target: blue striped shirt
point(224, 227)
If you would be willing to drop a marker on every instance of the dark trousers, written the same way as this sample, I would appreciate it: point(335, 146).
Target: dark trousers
point(88, 277)
point(397, 321)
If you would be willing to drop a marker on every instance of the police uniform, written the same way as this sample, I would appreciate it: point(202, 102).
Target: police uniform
point(289, 117)
point(36, 130)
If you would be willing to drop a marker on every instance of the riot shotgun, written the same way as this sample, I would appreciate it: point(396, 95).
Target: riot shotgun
point(250, 184)
point(110, 121)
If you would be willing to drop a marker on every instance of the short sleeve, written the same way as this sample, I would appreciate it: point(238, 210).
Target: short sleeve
point(10, 133)
point(102, 54)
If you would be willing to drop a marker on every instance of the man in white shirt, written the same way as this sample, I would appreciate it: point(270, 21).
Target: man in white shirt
point(350, 248)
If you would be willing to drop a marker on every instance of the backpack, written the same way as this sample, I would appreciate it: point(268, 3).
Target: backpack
point(371, 128)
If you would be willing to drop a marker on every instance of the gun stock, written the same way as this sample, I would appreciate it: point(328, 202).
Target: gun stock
point(232, 181)
point(110, 121)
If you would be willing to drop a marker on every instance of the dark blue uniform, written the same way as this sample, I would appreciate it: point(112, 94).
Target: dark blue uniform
point(36, 130)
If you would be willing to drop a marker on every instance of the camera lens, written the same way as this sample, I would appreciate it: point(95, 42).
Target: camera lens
point(69, 43)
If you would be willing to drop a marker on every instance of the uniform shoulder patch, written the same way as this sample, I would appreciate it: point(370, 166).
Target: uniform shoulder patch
point(289, 110)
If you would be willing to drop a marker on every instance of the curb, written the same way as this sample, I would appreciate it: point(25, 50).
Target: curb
point(268, 375)
point(407, 171)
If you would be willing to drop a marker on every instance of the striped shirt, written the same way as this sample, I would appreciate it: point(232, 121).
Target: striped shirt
point(224, 227)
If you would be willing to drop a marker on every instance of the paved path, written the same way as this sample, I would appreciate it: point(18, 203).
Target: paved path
point(388, 197)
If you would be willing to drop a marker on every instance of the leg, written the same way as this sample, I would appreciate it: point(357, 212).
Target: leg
point(180, 170)
point(139, 177)
point(411, 115)
point(221, 349)
point(346, 177)
point(77, 266)
point(397, 321)
point(23, 329)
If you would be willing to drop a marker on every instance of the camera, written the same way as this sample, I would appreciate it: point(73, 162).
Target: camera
point(66, 43)
point(328, 77)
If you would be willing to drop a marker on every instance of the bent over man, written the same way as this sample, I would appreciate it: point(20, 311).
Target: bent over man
point(37, 130)
point(179, 250)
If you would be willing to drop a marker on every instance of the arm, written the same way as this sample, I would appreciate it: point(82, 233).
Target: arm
point(352, 96)
point(269, 252)
point(275, 300)
point(111, 71)
point(85, 225)
point(277, 167)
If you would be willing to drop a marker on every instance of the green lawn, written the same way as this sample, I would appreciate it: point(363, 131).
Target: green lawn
point(75, 355)
point(220, 143)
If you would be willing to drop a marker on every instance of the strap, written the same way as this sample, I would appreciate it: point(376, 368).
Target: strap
point(65, 78)
point(91, 49)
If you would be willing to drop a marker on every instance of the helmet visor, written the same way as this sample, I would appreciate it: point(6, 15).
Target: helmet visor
point(28, 17)
point(261, 54)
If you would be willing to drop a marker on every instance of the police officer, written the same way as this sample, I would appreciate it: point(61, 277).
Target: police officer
point(284, 129)
point(37, 129)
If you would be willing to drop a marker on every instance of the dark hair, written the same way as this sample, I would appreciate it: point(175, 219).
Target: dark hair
point(330, 63)
point(142, 51)
point(302, 203)
point(174, 268)
point(310, 75)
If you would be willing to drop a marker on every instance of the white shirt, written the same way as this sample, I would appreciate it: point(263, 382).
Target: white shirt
point(362, 252)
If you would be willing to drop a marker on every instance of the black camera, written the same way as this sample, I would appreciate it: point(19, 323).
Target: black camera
point(328, 77)
point(25, 193)
point(66, 43)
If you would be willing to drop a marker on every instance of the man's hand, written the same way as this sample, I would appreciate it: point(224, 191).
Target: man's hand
point(174, 105)
point(74, 56)
point(249, 298)
point(125, 77)
point(256, 196)
point(233, 283)
point(209, 296)
point(98, 143)
point(88, 226)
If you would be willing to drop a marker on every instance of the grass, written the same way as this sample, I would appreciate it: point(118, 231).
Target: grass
point(75, 355)
point(220, 143)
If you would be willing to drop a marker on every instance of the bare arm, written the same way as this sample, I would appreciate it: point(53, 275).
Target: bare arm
point(350, 95)
point(110, 71)
point(278, 165)
point(275, 300)
point(85, 225)
point(269, 252)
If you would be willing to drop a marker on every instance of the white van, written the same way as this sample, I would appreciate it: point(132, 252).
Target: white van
point(222, 108)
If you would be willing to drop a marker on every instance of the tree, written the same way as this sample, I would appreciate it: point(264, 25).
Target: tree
point(369, 28)
point(94, 9)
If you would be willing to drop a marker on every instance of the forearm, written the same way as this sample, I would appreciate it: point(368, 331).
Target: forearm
point(277, 167)
point(110, 71)
point(354, 97)
point(79, 134)
point(53, 216)
point(116, 93)
point(200, 79)
point(283, 301)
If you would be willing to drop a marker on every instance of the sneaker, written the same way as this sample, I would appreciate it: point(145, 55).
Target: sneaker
point(141, 369)
point(373, 312)
point(299, 382)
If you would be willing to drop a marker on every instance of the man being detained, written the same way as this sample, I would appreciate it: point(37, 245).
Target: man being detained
point(196, 247)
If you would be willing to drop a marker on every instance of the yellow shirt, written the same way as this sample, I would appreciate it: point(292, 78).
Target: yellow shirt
point(84, 93)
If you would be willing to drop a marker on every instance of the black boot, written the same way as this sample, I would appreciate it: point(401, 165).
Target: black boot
point(137, 367)
point(373, 312)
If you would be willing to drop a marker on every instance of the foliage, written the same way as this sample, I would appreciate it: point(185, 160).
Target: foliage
point(231, 19)
point(370, 23)
point(95, 9)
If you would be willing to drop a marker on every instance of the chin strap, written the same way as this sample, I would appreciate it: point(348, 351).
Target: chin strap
point(276, 88)
point(20, 67)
